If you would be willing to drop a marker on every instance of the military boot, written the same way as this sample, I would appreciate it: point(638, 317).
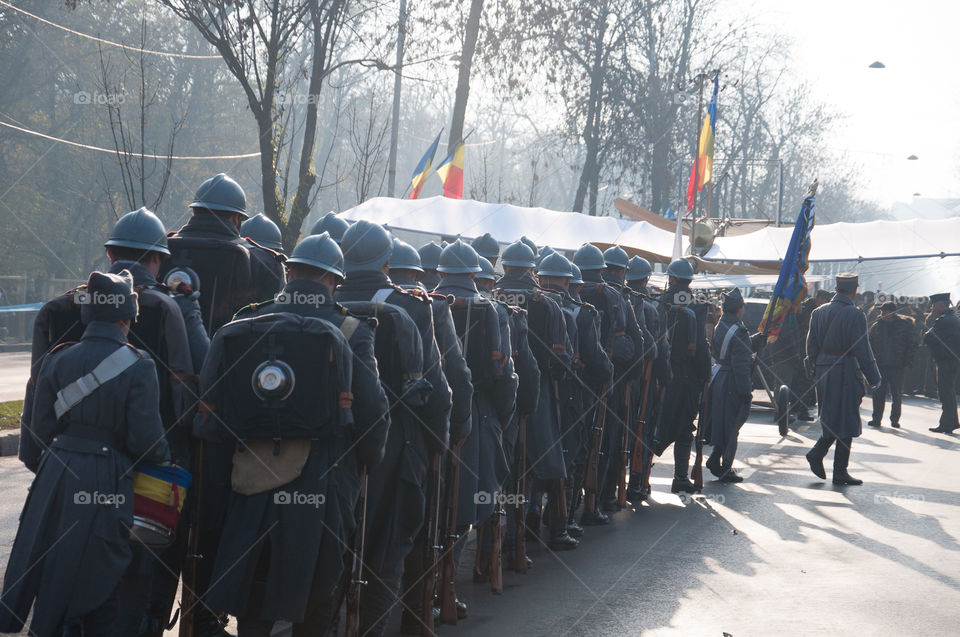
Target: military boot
point(713, 463)
point(841, 458)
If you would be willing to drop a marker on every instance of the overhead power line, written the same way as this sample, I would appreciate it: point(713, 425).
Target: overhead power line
point(108, 42)
point(115, 152)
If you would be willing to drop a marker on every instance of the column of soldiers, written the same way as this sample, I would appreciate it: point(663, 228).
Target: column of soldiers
point(350, 413)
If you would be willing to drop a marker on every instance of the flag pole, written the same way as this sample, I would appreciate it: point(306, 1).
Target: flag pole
point(696, 158)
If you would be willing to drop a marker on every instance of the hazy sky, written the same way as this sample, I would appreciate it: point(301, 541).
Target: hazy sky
point(912, 107)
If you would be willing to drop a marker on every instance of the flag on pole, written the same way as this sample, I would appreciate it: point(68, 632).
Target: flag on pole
point(791, 285)
point(451, 172)
point(703, 165)
point(422, 171)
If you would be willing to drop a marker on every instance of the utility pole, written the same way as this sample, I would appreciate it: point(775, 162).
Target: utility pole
point(779, 191)
point(395, 118)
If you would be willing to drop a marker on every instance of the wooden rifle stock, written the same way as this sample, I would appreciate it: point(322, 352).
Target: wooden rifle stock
point(352, 624)
point(188, 594)
point(496, 546)
point(431, 548)
point(520, 471)
point(448, 566)
point(625, 450)
point(697, 473)
point(635, 457)
point(590, 477)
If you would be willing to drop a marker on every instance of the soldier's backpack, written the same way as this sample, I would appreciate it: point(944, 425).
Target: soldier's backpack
point(224, 269)
point(289, 376)
point(398, 349)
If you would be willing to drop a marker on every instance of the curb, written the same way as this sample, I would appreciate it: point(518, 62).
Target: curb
point(15, 347)
point(9, 443)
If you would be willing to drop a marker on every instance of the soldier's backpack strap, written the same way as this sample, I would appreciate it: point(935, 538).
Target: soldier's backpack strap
point(108, 369)
point(382, 294)
point(349, 326)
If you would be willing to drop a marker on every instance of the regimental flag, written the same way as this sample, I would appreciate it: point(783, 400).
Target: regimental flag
point(422, 171)
point(703, 165)
point(791, 285)
point(451, 172)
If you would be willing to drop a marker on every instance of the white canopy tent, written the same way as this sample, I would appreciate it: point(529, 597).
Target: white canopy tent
point(569, 230)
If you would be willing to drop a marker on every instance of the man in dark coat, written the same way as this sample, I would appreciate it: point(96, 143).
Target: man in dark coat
point(549, 342)
point(943, 340)
point(681, 399)
point(483, 464)
point(73, 543)
point(892, 341)
point(579, 392)
point(805, 391)
point(731, 390)
point(838, 352)
point(396, 497)
point(281, 558)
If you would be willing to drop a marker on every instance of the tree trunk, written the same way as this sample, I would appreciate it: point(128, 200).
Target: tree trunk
point(395, 117)
point(591, 133)
point(463, 79)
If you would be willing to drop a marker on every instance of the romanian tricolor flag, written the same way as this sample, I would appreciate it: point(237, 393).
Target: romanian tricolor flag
point(451, 173)
point(791, 286)
point(422, 171)
point(703, 165)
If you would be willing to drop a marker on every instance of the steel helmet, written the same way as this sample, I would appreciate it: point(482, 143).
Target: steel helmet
point(319, 251)
point(140, 230)
point(638, 269)
point(545, 251)
point(616, 257)
point(589, 257)
point(263, 231)
point(430, 256)
point(331, 223)
point(459, 258)
point(404, 257)
point(366, 246)
point(681, 269)
point(555, 265)
point(486, 270)
point(486, 246)
point(529, 243)
point(518, 255)
point(577, 277)
point(221, 194)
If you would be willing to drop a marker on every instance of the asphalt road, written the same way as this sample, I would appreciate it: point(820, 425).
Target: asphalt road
point(781, 554)
point(14, 372)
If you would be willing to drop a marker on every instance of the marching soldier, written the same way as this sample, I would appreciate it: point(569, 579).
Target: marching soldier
point(396, 495)
point(891, 339)
point(731, 390)
point(638, 274)
point(261, 231)
point(332, 225)
point(405, 269)
point(429, 260)
point(592, 372)
point(549, 343)
point(621, 349)
point(806, 391)
point(681, 398)
point(95, 412)
point(300, 447)
point(232, 273)
point(943, 341)
point(483, 466)
point(527, 397)
point(837, 349)
point(487, 247)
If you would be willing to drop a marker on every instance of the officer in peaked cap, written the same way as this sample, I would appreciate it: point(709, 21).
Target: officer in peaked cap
point(838, 350)
point(943, 340)
point(331, 224)
point(731, 390)
point(396, 489)
point(95, 412)
point(262, 231)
